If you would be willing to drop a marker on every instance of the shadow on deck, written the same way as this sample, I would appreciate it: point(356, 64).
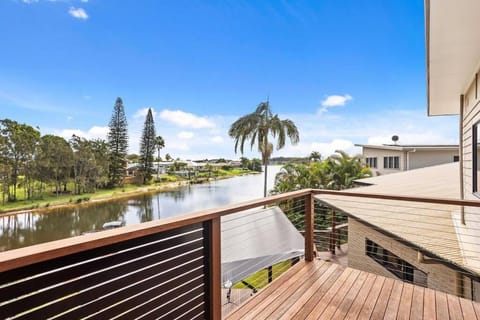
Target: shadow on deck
point(325, 290)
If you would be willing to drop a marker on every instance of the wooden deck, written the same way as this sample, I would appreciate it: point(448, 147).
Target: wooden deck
point(325, 290)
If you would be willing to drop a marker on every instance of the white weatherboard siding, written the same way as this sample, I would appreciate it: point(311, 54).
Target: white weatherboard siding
point(422, 158)
point(453, 52)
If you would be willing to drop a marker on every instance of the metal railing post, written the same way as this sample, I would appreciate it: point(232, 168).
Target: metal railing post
point(309, 224)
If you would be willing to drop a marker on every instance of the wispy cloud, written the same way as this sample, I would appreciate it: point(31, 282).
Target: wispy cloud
point(185, 119)
point(78, 13)
point(95, 132)
point(142, 113)
point(334, 101)
point(29, 1)
point(185, 135)
point(84, 1)
point(217, 139)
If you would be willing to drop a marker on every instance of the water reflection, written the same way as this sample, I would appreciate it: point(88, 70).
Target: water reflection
point(30, 228)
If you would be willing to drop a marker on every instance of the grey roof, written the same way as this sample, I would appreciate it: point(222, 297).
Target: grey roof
point(256, 239)
point(432, 227)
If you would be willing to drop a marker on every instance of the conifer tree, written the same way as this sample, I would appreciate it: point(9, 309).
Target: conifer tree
point(147, 147)
point(117, 145)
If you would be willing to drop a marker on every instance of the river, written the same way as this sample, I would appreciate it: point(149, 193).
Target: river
point(30, 228)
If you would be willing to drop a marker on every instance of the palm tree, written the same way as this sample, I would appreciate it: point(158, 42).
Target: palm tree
point(159, 143)
point(258, 127)
point(344, 169)
point(315, 156)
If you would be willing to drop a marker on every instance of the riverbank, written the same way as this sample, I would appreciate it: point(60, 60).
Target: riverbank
point(68, 200)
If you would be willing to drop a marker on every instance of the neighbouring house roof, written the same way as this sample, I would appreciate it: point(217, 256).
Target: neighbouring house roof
point(411, 147)
point(431, 228)
point(453, 52)
point(256, 239)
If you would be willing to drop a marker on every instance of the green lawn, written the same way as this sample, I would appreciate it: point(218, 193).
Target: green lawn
point(260, 279)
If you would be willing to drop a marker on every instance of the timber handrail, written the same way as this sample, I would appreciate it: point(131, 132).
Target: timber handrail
point(41, 252)
point(45, 251)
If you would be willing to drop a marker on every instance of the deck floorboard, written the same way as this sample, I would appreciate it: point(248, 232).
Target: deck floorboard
point(324, 290)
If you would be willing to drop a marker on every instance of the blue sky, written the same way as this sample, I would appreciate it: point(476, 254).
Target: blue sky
point(345, 72)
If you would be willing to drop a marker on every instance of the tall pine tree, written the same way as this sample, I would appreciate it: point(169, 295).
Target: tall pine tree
point(147, 147)
point(117, 145)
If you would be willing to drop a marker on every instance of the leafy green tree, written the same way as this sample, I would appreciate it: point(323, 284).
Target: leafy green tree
point(18, 144)
point(315, 156)
point(99, 176)
point(258, 128)
point(168, 157)
point(336, 172)
point(54, 161)
point(117, 145)
point(147, 147)
point(89, 165)
point(255, 165)
point(245, 162)
point(159, 143)
point(134, 158)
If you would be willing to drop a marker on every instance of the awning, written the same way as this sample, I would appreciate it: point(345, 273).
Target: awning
point(256, 239)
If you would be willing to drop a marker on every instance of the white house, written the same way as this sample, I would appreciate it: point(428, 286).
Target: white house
point(391, 158)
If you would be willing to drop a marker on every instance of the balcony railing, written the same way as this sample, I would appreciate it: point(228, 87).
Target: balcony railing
point(171, 268)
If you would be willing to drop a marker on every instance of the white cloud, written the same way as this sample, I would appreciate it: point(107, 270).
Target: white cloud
point(185, 119)
point(185, 135)
point(84, 1)
point(78, 13)
point(334, 101)
point(217, 139)
point(95, 132)
point(29, 1)
point(142, 113)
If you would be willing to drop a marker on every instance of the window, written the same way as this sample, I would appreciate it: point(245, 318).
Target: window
point(476, 158)
point(391, 162)
point(456, 158)
point(394, 264)
point(371, 162)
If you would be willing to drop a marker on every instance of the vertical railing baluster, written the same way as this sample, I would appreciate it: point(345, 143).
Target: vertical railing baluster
point(309, 225)
point(213, 268)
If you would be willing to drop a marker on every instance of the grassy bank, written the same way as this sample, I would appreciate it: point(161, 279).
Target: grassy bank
point(50, 199)
point(260, 278)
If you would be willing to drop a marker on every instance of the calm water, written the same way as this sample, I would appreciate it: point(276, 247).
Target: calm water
point(30, 228)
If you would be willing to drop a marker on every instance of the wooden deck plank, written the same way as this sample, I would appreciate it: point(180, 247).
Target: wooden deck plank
point(441, 305)
point(394, 301)
point(430, 304)
point(323, 310)
point(454, 309)
point(319, 287)
point(416, 311)
point(405, 302)
point(468, 311)
point(283, 301)
point(264, 293)
point(361, 298)
point(382, 301)
point(312, 303)
point(372, 298)
point(322, 290)
point(342, 310)
point(476, 307)
point(302, 308)
point(274, 298)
